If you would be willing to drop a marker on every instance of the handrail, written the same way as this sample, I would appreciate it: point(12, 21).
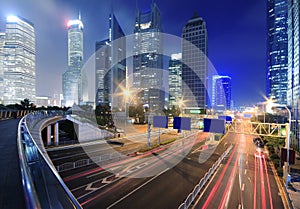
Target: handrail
point(54, 171)
point(31, 198)
point(53, 192)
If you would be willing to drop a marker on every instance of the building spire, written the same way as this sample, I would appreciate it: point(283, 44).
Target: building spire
point(79, 15)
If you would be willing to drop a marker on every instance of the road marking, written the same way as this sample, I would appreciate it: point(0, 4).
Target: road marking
point(90, 188)
point(247, 162)
point(249, 178)
point(245, 171)
point(240, 206)
point(197, 150)
point(105, 181)
point(243, 187)
point(133, 191)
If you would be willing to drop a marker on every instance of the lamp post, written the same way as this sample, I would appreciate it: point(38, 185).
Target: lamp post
point(287, 142)
point(126, 94)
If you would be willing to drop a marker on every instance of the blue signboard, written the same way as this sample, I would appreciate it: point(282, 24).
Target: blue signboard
point(182, 123)
point(160, 121)
point(225, 117)
point(213, 125)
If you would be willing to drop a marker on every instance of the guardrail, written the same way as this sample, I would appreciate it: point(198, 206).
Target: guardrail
point(8, 114)
point(93, 160)
point(42, 185)
point(191, 197)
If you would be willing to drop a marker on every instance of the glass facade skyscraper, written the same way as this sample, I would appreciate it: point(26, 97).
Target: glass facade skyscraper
point(2, 39)
point(277, 54)
point(221, 92)
point(194, 68)
point(110, 66)
point(148, 59)
point(175, 80)
point(19, 61)
point(293, 55)
point(73, 80)
point(293, 93)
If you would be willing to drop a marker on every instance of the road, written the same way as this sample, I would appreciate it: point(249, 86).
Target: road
point(243, 181)
point(11, 195)
point(164, 177)
point(175, 171)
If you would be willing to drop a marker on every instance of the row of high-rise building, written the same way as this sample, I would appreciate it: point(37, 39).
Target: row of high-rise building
point(187, 70)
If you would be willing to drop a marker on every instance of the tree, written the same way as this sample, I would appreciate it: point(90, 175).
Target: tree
point(26, 103)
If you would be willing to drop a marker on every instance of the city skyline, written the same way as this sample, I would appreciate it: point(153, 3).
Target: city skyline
point(234, 62)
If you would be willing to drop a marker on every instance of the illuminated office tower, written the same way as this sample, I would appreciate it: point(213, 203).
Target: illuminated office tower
point(175, 83)
point(19, 61)
point(221, 92)
point(194, 68)
point(74, 82)
point(148, 59)
point(293, 93)
point(277, 50)
point(2, 39)
point(110, 64)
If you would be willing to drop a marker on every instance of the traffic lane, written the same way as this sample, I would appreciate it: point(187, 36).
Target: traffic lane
point(217, 191)
point(175, 183)
point(142, 166)
point(71, 174)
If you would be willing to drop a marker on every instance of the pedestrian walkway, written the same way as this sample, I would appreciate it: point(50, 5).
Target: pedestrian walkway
point(294, 189)
point(11, 195)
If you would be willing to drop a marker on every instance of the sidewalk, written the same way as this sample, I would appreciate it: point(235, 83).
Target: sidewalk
point(294, 189)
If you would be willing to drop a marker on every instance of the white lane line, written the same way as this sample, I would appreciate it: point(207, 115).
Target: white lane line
point(245, 171)
point(243, 187)
point(247, 162)
point(196, 150)
point(133, 191)
point(240, 206)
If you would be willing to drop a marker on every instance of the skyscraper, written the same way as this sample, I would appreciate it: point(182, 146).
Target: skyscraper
point(194, 67)
point(175, 82)
point(2, 39)
point(73, 79)
point(277, 54)
point(221, 92)
point(148, 59)
point(19, 61)
point(293, 93)
point(111, 66)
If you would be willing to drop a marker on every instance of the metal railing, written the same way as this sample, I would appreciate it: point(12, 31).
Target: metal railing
point(42, 185)
point(191, 197)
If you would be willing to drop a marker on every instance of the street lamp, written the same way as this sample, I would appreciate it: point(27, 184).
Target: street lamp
point(126, 95)
point(287, 143)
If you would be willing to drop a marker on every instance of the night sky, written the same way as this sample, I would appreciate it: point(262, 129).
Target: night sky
point(236, 35)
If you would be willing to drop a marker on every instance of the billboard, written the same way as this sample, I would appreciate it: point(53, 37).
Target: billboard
point(291, 155)
point(160, 121)
point(213, 125)
point(226, 118)
point(182, 123)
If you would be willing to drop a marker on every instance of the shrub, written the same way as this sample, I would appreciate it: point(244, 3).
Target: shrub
point(280, 171)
